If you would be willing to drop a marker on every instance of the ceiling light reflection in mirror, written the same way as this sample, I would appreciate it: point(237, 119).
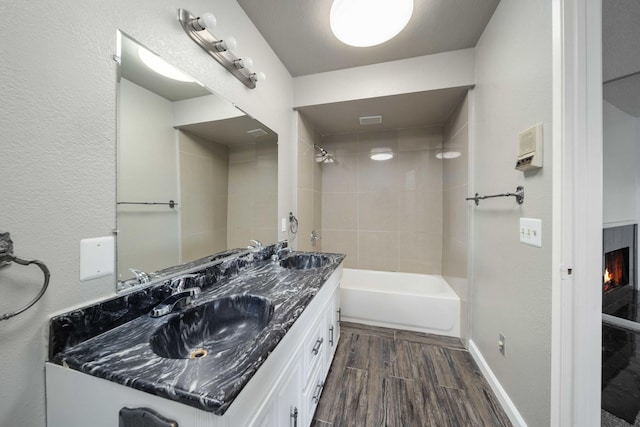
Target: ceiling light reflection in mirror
point(364, 23)
point(178, 141)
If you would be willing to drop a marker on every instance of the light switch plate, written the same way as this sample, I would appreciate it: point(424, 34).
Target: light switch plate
point(531, 231)
point(96, 257)
point(283, 226)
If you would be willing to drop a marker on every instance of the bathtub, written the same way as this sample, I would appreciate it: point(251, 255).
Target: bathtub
point(415, 302)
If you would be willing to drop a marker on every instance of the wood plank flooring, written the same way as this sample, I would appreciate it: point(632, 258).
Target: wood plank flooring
point(394, 378)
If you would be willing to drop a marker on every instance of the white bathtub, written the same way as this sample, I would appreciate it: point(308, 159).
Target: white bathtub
point(415, 302)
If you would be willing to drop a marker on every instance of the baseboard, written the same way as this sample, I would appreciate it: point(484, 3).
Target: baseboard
point(501, 394)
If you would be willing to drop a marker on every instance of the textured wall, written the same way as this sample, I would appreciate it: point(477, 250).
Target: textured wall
point(512, 281)
point(58, 151)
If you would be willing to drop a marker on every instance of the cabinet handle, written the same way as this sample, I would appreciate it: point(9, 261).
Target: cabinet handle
point(339, 314)
point(331, 335)
point(316, 347)
point(319, 388)
point(294, 415)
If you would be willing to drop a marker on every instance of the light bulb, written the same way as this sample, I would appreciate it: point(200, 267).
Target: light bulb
point(258, 77)
point(226, 44)
point(206, 21)
point(243, 62)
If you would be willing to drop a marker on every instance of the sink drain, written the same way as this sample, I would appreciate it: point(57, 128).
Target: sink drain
point(198, 354)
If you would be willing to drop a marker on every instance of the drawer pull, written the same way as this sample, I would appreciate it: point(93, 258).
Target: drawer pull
point(339, 314)
point(294, 415)
point(331, 335)
point(316, 347)
point(318, 393)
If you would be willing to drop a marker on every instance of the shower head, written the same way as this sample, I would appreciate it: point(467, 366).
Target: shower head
point(323, 156)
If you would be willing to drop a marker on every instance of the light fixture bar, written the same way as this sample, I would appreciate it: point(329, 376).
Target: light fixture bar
point(208, 43)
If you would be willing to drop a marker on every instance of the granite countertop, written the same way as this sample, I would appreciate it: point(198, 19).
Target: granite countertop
point(120, 351)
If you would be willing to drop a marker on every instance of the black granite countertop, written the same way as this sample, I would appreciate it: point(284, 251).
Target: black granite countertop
point(111, 340)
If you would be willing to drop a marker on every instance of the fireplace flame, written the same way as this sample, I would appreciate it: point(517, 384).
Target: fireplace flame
point(607, 276)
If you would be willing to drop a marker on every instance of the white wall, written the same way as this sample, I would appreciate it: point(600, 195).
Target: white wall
point(621, 134)
point(424, 73)
point(58, 151)
point(512, 282)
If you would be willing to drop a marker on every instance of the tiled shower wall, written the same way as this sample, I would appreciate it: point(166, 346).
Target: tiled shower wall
point(204, 170)
point(455, 185)
point(384, 215)
point(309, 187)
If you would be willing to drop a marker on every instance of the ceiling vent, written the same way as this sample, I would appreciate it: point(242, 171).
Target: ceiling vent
point(370, 120)
point(257, 132)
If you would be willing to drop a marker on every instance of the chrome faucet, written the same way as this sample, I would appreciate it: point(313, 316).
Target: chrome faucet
point(256, 245)
point(141, 276)
point(180, 296)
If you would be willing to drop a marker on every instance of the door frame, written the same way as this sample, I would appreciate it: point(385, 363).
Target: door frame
point(577, 213)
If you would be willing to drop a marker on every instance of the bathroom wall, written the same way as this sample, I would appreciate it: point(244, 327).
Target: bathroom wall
point(385, 215)
point(148, 173)
point(58, 152)
point(512, 281)
point(253, 186)
point(204, 180)
point(309, 185)
point(456, 210)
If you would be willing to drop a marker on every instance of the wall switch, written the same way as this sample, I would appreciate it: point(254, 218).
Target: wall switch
point(531, 231)
point(283, 227)
point(501, 343)
point(96, 257)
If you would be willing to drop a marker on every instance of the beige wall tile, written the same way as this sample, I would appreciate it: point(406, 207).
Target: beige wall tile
point(340, 211)
point(420, 139)
point(344, 242)
point(377, 211)
point(197, 245)
point(378, 250)
point(458, 119)
point(341, 176)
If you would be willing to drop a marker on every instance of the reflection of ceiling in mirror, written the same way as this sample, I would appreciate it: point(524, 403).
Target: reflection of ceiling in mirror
point(133, 69)
point(233, 131)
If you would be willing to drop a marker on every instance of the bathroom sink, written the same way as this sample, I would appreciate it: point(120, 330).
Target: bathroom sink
point(304, 261)
point(211, 328)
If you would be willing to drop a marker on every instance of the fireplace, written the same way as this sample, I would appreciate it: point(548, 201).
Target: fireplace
point(619, 297)
point(619, 258)
point(616, 269)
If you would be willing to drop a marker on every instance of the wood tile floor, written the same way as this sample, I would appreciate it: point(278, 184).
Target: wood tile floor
point(395, 378)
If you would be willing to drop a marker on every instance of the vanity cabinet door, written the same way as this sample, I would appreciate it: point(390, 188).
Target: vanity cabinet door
point(333, 328)
point(289, 397)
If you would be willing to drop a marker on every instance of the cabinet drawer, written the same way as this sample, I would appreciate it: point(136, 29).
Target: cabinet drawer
point(314, 348)
point(312, 393)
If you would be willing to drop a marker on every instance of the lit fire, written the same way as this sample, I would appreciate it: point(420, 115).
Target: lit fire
point(607, 276)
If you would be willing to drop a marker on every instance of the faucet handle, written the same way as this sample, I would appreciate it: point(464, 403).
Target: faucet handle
point(177, 283)
point(141, 276)
point(256, 244)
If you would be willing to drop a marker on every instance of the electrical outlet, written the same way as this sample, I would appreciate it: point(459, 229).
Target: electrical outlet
point(501, 343)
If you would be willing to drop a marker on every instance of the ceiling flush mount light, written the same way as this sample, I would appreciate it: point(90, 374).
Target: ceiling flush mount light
point(448, 155)
point(364, 23)
point(381, 154)
point(161, 67)
point(199, 30)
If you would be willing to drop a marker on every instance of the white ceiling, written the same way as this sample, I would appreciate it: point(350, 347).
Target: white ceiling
point(621, 54)
point(298, 31)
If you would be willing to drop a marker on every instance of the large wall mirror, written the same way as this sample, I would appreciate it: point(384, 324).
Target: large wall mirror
point(195, 175)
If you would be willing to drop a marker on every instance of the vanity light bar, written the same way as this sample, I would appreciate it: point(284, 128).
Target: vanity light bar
point(220, 50)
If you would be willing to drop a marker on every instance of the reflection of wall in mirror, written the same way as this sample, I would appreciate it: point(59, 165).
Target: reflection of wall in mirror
point(253, 193)
point(148, 236)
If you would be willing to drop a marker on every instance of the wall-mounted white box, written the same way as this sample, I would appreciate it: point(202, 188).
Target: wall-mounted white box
point(96, 257)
